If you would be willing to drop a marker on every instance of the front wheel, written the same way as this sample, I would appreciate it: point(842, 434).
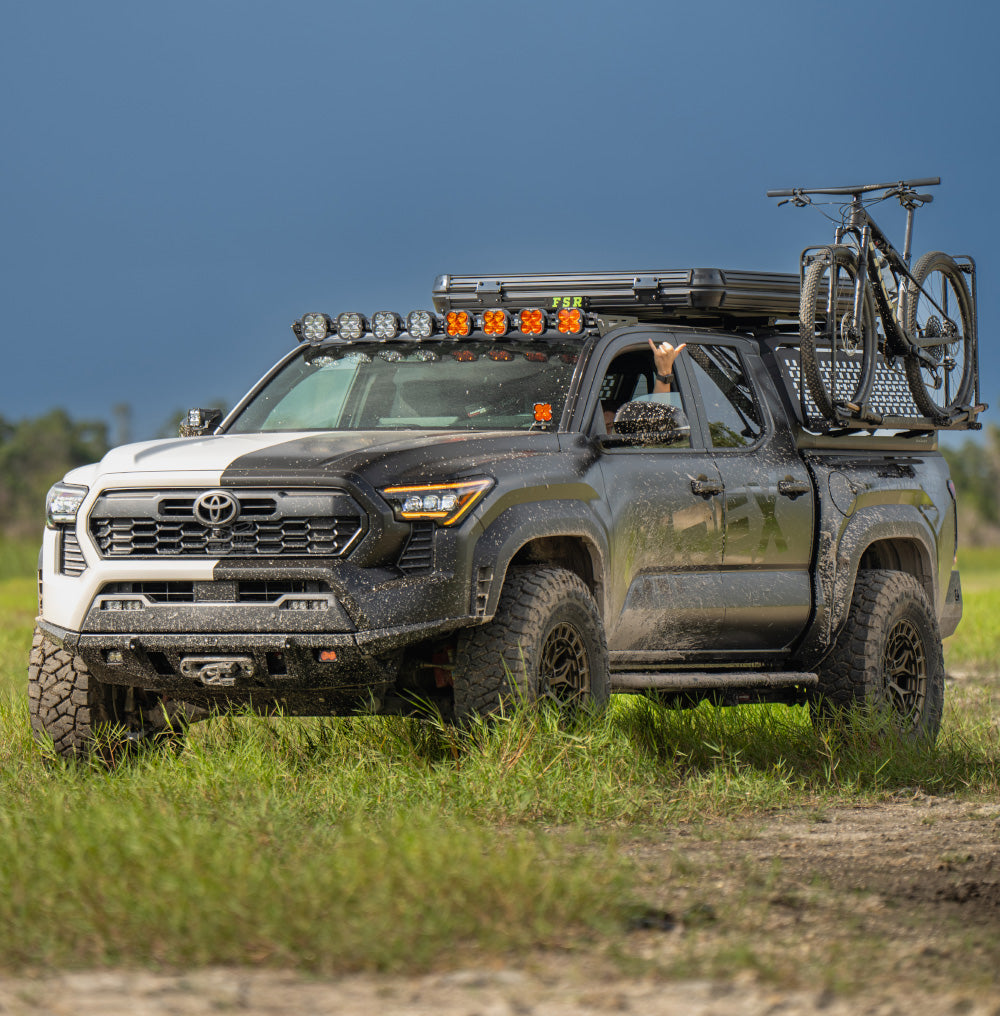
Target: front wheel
point(546, 640)
point(938, 306)
point(838, 359)
point(83, 715)
point(888, 656)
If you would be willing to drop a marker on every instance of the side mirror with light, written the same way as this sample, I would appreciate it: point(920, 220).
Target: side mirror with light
point(199, 422)
point(648, 423)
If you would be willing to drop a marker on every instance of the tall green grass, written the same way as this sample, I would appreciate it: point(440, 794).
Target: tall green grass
point(395, 843)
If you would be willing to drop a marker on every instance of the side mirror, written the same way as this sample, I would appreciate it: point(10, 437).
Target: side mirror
point(199, 422)
point(648, 423)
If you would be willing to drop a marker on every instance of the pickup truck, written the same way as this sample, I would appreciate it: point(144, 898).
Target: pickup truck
point(496, 498)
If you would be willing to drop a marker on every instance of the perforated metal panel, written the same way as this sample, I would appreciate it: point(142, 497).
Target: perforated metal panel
point(890, 395)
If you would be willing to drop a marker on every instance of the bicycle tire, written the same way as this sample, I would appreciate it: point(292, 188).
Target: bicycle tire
point(851, 360)
point(922, 317)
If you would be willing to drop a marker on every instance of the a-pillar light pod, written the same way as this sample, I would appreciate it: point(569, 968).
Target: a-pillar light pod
point(386, 324)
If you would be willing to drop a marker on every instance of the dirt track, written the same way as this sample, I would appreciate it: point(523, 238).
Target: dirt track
point(886, 909)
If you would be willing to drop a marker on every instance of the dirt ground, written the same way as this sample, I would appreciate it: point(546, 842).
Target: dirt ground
point(887, 909)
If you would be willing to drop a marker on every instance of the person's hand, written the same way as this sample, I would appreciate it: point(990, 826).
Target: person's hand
point(664, 355)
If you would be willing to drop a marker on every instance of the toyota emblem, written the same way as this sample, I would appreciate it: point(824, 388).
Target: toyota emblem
point(216, 508)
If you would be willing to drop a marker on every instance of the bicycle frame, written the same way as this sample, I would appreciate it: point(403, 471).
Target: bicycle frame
point(869, 238)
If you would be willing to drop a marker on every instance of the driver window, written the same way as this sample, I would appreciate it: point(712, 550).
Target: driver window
point(630, 378)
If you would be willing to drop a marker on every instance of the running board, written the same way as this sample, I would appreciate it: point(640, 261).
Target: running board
point(702, 680)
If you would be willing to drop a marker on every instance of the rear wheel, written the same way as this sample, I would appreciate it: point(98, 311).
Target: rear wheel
point(545, 641)
point(938, 306)
point(838, 360)
point(888, 655)
point(83, 715)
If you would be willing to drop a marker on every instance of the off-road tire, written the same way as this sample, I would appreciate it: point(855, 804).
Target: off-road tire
point(69, 705)
point(546, 626)
point(888, 655)
point(831, 399)
point(961, 348)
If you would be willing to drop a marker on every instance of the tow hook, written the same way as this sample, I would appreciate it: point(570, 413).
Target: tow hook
point(217, 671)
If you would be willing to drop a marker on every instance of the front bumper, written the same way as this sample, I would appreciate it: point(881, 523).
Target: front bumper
point(281, 663)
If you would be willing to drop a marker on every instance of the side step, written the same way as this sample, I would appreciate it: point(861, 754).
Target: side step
point(685, 680)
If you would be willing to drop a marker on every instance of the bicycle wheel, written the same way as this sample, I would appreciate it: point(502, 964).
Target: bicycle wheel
point(838, 360)
point(938, 305)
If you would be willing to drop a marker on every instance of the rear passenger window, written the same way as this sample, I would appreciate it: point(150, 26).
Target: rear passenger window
point(734, 419)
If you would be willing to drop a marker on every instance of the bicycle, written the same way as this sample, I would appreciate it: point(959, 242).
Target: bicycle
point(927, 314)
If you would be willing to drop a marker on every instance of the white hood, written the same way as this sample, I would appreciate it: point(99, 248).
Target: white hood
point(201, 455)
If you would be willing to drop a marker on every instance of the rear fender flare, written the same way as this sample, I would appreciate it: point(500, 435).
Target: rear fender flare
point(837, 568)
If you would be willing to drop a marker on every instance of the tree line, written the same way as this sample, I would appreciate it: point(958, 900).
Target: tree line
point(34, 453)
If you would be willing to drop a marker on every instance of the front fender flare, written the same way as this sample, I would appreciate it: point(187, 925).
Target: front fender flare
point(519, 525)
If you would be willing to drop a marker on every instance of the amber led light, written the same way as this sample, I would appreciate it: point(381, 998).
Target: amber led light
point(458, 323)
point(570, 322)
point(496, 322)
point(531, 322)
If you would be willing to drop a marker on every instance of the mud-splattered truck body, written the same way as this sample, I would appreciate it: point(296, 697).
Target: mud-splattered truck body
point(492, 498)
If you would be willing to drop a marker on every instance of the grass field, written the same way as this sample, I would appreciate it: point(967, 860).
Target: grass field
point(382, 843)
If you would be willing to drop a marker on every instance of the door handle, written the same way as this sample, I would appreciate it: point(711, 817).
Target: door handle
point(707, 488)
point(793, 488)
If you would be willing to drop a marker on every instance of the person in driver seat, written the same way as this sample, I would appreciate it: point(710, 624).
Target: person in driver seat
point(664, 355)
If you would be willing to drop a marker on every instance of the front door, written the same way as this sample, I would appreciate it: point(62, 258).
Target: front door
point(665, 529)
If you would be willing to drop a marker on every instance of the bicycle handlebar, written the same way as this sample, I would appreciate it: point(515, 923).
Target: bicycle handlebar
point(930, 181)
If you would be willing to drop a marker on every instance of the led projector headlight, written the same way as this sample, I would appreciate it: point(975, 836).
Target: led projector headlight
point(444, 503)
point(62, 503)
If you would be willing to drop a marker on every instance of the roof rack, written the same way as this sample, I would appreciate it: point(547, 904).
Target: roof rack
point(675, 295)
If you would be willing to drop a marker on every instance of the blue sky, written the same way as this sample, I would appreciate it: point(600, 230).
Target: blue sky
point(181, 181)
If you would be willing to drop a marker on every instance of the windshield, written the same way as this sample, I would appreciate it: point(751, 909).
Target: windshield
point(433, 385)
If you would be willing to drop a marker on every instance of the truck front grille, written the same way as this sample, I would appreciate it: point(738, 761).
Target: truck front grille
point(151, 524)
point(269, 591)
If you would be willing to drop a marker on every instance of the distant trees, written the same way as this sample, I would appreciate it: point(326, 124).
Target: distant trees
point(33, 455)
point(975, 468)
